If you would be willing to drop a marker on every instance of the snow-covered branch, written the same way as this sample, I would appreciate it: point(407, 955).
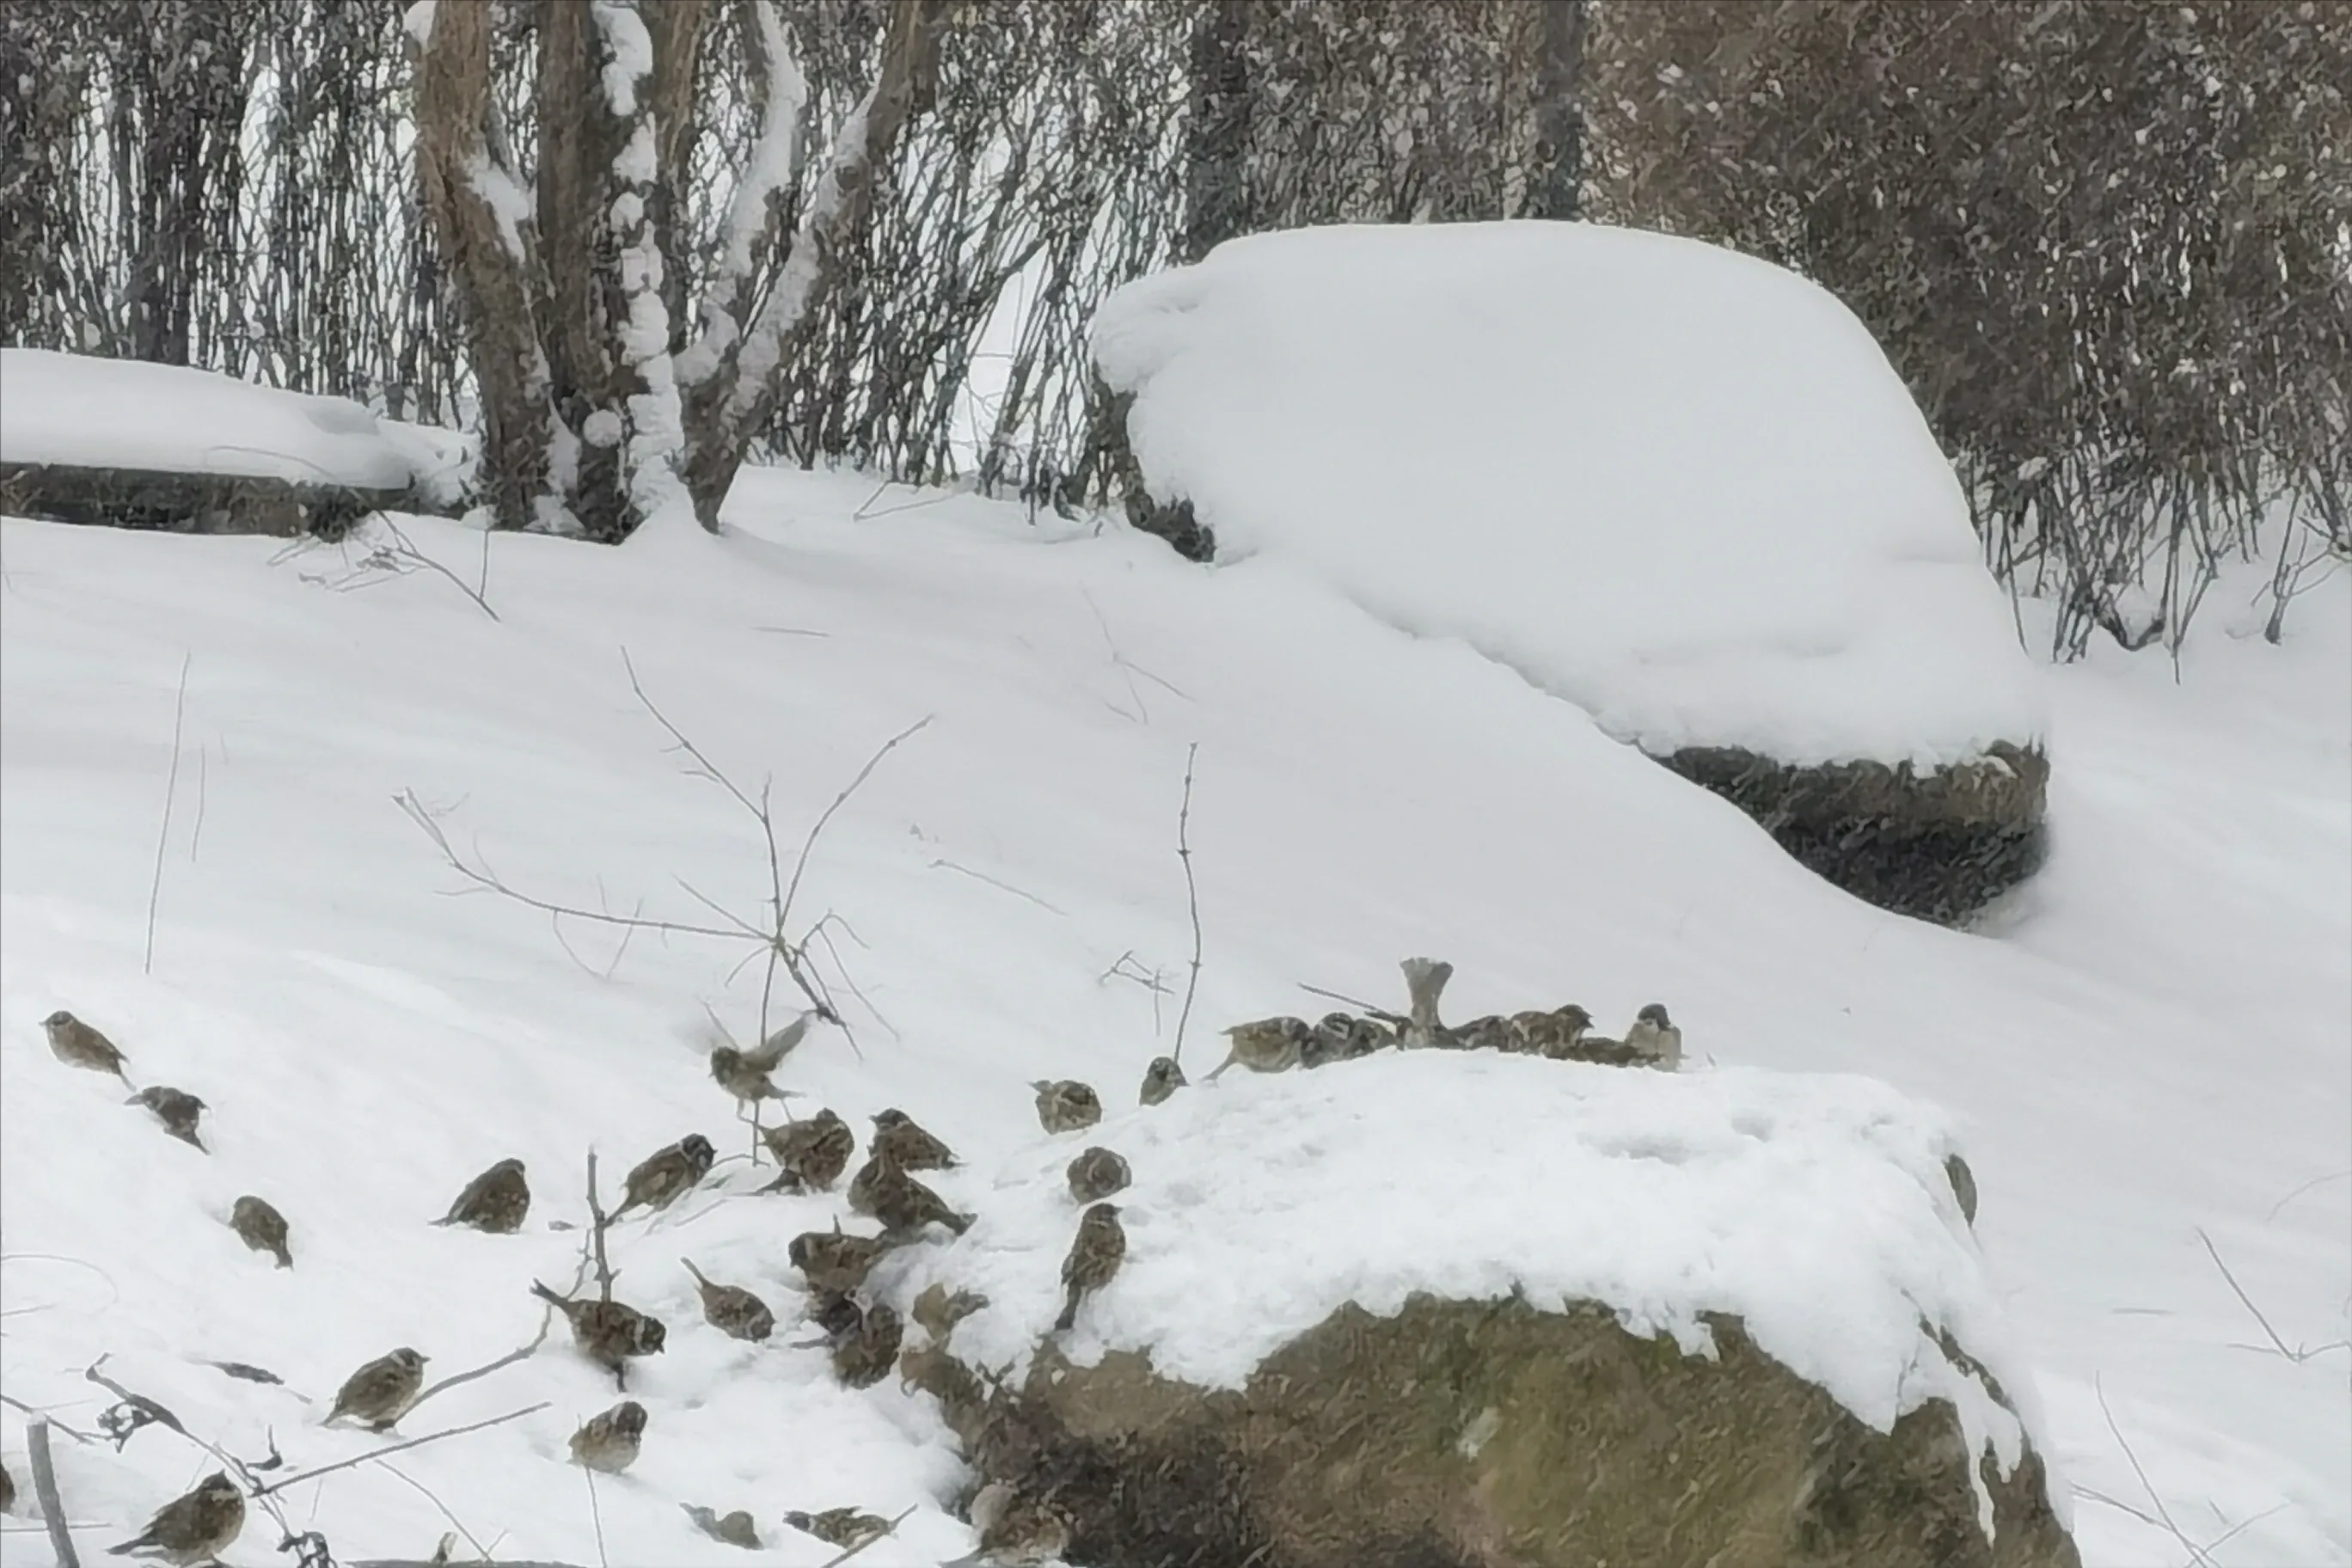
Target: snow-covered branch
point(767, 178)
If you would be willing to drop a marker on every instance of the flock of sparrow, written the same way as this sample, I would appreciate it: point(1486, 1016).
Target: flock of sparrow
point(862, 1335)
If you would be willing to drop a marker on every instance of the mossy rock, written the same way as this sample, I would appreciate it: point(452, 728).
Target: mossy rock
point(1492, 1435)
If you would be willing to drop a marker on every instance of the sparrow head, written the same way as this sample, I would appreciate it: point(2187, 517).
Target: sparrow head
point(505, 1168)
point(698, 1154)
point(60, 1019)
point(650, 1337)
point(885, 1119)
point(217, 1487)
point(1573, 1013)
point(725, 1060)
point(1098, 1213)
point(1041, 1084)
point(1165, 1070)
point(629, 1419)
point(408, 1360)
point(1654, 1013)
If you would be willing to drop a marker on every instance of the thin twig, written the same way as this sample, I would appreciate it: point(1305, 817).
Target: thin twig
point(945, 865)
point(598, 1224)
point(2297, 1355)
point(2315, 1182)
point(1362, 1007)
point(524, 1352)
point(411, 1443)
point(171, 789)
point(45, 1486)
point(596, 1516)
point(800, 866)
point(2163, 1514)
point(409, 552)
point(39, 1415)
point(1191, 899)
point(844, 1555)
point(432, 1497)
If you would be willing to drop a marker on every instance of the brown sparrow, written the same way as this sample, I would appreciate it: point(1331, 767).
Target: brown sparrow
point(744, 1074)
point(811, 1153)
point(1097, 1174)
point(1015, 1531)
point(900, 1202)
point(610, 1442)
point(1065, 1105)
point(380, 1392)
point(731, 1309)
point(865, 1355)
point(1654, 1036)
point(937, 1313)
point(735, 1528)
point(661, 1179)
point(194, 1528)
point(176, 1108)
point(1163, 1079)
point(833, 1315)
point(1267, 1044)
point(1095, 1257)
point(834, 1262)
point(79, 1046)
point(495, 1200)
point(260, 1228)
point(843, 1526)
point(909, 1147)
point(1492, 1033)
point(607, 1332)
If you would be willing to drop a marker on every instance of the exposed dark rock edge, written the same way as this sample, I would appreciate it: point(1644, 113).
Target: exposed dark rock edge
point(190, 504)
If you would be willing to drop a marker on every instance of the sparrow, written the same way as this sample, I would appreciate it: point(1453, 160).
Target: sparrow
point(1097, 1174)
point(607, 1332)
point(937, 1313)
point(735, 1528)
point(1267, 1044)
point(260, 1228)
point(833, 1315)
point(1492, 1033)
point(864, 1355)
point(1015, 1531)
point(1555, 1034)
point(177, 1109)
point(836, 1262)
point(194, 1528)
point(899, 1200)
point(744, 1074)
point(813, 1153)
point(1601, 1049)
point(731, 1309)
point(495, 1200)
point(380, 1392)
point(1163, 1079)
point(1065, 1105)
point(609, 1442)
point(1095, 1257)
point(1654, 1036)
point(665, 1177)
point(909, 1146)
point(1326, 1041)
point(843, 1526)
point(1425, 982)
point(78, 1045)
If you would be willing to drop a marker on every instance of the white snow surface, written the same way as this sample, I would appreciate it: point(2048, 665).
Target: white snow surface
point(1813, 1207)
point(82, 411)
point(1677, 486)
point(2150, 1044)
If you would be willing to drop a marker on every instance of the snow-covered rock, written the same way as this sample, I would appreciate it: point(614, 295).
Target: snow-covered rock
point(1783, 1257)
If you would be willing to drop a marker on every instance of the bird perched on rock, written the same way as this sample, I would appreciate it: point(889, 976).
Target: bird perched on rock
point(380, 1392)
point(607, 1332)
point(1266, 1045)
point(1065, 1105)
point(1163, 1079)
point(260, 1228)
point(1491, 1033)
point(194, 1528)
point(899, 1200)
point(77, 1044)
point(662, 1178)
point(811, 1153)
point(609, 1442)
point(495, 1200)
point(1552, 1033)
point(1016, 1531)
point(1095, 1257)
point(1424, 982)
point(1654, 1036)
point(177, 1109)
point(736, 1529)
point(865, 1355)
point(847, 1528)
point(834, 1261)
point(937, 1312)
point(908, 1146)
point(1097, 1174)
point(744, 1074)
point(731, 1309)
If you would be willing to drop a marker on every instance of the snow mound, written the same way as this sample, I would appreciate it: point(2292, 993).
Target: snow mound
point(1679, 486)
point(1814, 1208)
point(77, 411)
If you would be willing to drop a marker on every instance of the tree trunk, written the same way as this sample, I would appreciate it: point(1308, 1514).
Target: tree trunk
point(1217, 131)
point(1554, 191)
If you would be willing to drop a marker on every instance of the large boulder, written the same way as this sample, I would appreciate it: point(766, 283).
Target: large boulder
point(1677, 486)
point(1449, 1309)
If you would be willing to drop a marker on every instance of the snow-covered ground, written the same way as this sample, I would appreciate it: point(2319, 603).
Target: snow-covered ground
point(2153, 1043)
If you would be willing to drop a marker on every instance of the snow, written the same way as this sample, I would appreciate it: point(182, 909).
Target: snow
point(773, 165)
point(83, 412)
point(2151, 1041)
point(1815, 1209)
point(1681, 488)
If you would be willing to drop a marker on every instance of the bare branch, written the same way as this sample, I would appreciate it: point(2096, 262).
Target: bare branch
point(522, 1354)
point(398, 1448)
point(845, 1554)
point(163, 834)
point(2298, 1355)
point(1191, 899)
point(45, 1486)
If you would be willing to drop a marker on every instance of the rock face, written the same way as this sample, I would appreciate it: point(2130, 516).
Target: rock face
point(1939, 844)
point(187, 504)
point(1491, 1434)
